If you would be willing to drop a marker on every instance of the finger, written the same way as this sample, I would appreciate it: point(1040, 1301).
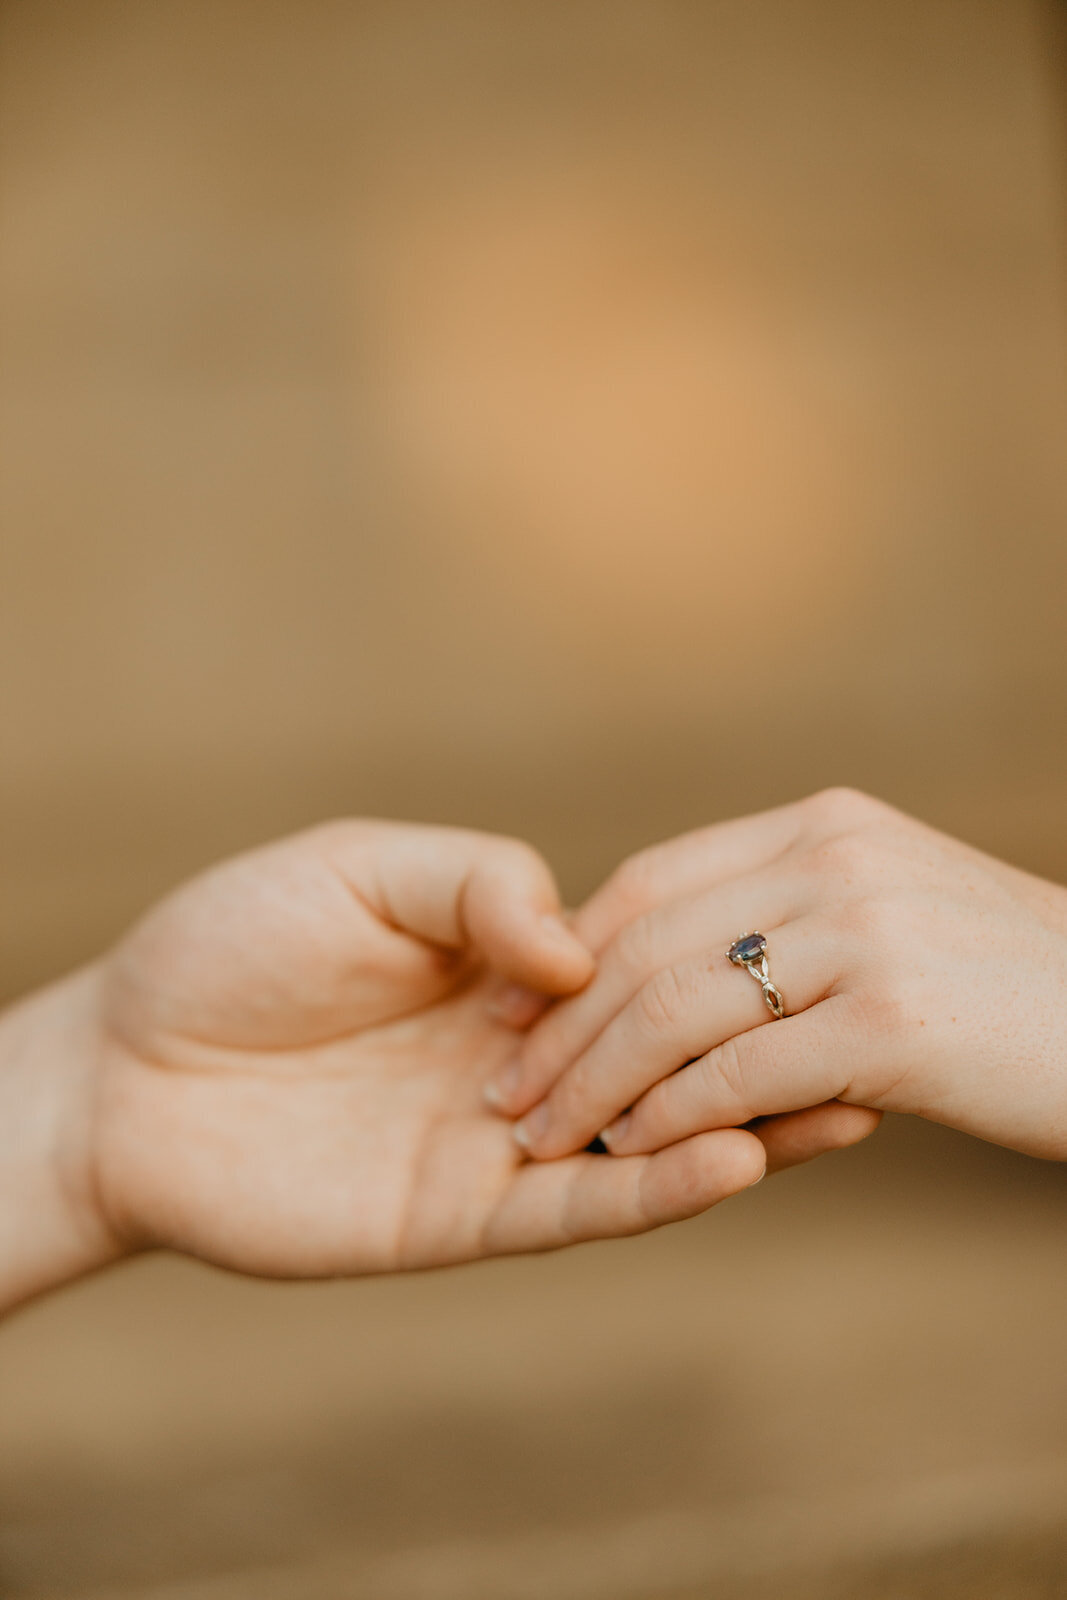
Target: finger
point(800, 1136)
point(703, 924)
point(681, 1013)
point(799, 1062)
point(464, 890)
point(516, 1007)
point(700, 859)
point(558, 1203)
point(679, 867)
point(674, 869)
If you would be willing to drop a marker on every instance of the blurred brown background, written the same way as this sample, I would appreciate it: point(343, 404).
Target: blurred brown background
point(582, 420)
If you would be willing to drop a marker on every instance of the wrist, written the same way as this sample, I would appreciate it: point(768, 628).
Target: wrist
point(51, 1227)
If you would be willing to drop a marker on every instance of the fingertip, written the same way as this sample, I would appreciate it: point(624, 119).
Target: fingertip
point(573, 963)
point(689, 1177)
point(512, 914)
point(516, 1006)
point(740, 1155)
point(853, 1124)
point(499, 1090)
point(614, 1134)
point(546, 959)
point(793, 1138)
point(734, 1157)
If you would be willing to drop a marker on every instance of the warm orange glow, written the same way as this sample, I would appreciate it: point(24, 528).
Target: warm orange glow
point(597, 391)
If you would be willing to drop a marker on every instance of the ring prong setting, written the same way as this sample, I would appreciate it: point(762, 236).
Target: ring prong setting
point(749, 947)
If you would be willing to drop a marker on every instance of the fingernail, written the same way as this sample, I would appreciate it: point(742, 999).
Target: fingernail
point(500, 1088)
point(760, 1179)
point(531, 1127)
point(513, 1003)
point(616, 1130)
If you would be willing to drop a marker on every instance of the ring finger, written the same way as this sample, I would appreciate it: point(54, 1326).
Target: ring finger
point(699, 924)
point(682, 1012)
point(765, 1072)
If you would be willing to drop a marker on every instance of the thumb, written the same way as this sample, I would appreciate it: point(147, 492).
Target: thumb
point(471, 891)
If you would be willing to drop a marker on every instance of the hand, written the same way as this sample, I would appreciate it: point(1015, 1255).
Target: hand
point(289, 1056)
point(918, 974)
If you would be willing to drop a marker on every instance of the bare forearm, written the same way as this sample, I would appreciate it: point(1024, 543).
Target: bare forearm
point(50, 1228)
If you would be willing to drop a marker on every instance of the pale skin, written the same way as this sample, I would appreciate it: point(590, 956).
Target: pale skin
point(281, 1070)
point(919, 976)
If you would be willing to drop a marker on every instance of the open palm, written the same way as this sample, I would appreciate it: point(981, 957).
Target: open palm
point(293, 1050)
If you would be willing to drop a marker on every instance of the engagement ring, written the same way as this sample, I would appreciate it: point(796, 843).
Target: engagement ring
point(750, 952)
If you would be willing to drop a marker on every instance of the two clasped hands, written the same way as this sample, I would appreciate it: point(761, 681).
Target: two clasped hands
point(377, 1046)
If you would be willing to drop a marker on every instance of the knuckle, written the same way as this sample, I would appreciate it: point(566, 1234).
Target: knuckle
point(845, 857)
point(724, 1068)
point(634, 882)
point(843, 806)
point(517, 855)
point(890, 1007)
point(883, 920)
point(635, 947)
point(661, 1001)
point(884, 1002)
point(346, 831)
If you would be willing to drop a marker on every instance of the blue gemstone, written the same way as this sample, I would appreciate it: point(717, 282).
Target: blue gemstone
point(750, 948)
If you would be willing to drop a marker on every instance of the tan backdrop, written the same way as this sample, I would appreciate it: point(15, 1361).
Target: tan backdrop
point(586, 421)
